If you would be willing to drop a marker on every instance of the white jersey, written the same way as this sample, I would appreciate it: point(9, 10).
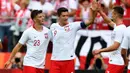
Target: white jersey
point(126, 41)
point(37, 43)
point(117, 35)
point(63, 40)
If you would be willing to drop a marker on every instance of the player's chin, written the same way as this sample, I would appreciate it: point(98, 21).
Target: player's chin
point(66, 21)
point(42, 22)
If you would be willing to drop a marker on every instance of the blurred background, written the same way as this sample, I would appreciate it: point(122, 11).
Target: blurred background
point(15, 18)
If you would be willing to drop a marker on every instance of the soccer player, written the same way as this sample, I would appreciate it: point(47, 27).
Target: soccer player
point(116, 62)
point(64, 33)
point(36, 38)
point(125, 45)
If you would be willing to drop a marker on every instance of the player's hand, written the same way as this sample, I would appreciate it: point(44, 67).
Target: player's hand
point(95, 52)
point(126, 61)
point(94, 5)
point(7, 64)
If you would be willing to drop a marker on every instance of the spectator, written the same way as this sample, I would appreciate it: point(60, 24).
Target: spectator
point(22, 16)
point(71, 5)
point(83, 10)
point(46, 7)
point(127, 12)
point(6, 20)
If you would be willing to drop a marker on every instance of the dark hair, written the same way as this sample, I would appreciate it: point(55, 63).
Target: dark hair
point(60, 10)
point(34, 13)
point(119, 10)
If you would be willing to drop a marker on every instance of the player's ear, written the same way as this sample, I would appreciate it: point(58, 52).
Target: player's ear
point(34, 19)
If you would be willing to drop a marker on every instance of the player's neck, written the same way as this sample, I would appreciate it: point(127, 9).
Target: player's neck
point(62, 24)
point(38, 27)
point(119, 21)
point(61, 0)
point(42, 3)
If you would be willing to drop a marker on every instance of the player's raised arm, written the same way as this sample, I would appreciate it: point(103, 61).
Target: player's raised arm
point(106, 18)
point(92, 13)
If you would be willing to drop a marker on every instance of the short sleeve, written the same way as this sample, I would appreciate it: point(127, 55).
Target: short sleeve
point(79, 25)
point(119, 33)
point(50, 35)
point(76, 25)
point(125, 42)
point(24, 37)
point(118, 37)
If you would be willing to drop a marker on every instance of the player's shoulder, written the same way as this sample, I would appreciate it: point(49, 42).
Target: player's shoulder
point(120, 27)
point(77, 22)
point(45, 28)
point(74, 23)
point(54, 25)
point(29, 29)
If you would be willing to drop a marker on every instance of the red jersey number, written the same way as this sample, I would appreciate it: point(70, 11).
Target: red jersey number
point(36, 42)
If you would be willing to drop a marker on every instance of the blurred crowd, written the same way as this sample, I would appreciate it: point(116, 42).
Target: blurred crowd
point(15, 16)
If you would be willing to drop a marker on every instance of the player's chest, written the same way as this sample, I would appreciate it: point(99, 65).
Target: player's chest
point(43, 36)
point(62, 31)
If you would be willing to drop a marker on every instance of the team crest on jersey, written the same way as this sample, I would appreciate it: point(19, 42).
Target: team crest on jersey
point(67, 29)
point(46, 35)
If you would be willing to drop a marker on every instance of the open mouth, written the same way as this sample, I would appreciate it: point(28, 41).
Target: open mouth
point(42, 21)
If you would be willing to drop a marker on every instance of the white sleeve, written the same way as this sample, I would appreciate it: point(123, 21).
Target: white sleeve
point(72, 4)
point(50, 35)
point(125, 42)
point(24, 37)
point(52, 31)
point(119, 34)
point(77, 25)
